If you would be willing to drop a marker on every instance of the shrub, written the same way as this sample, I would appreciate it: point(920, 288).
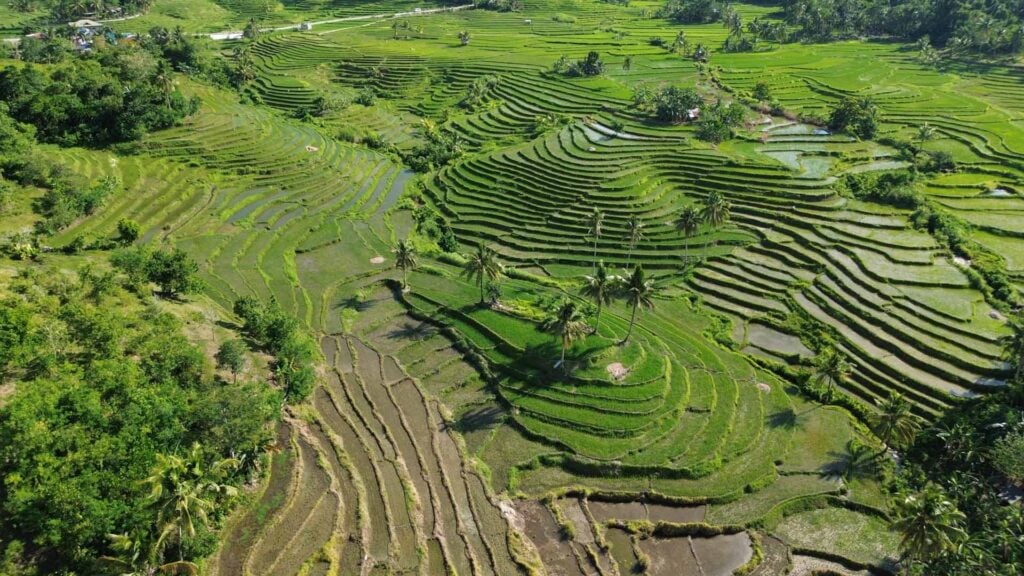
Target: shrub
point(174, 271)
point(127, 231)
point(1008, 455)
point(281, 336)
point(692, 11)
point(716, 124)
point(762, 93)
point(671, 104)
point(857, 116)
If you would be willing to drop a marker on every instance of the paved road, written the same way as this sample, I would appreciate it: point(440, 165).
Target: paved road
point(236, 34)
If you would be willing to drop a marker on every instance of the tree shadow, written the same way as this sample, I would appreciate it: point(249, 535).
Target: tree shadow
point(412, 331)
point(234, 326)
point(537, 364)
point(357, 304)
point(483, 418)
point(855, 462)
point(786, 419)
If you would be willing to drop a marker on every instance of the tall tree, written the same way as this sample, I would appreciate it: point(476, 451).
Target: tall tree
point(716, 211)
point(929, 524)
point(482, 265)
point(405, 259)
point(688, 223)
point(231, 355)
point(894, 423)
point(831, 368)
point(599, 289)
point(183, 492)
point(595, 225)
point(567, 325)
point(638, 292)
point(635, 229)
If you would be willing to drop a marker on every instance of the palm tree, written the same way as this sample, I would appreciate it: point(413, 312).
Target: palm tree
point(832, 369)
point(929, 524)
point(405, 259)
point(566, 324)
point(635, 229)
point(925, 132)
point(464, 38)
point(137, 556)
point(595, 223)
point(183, 493)
point(688, 223)
point(716, 210)
point(482, 265)
point(638, 292)
point(599, 288)
point(894, 423)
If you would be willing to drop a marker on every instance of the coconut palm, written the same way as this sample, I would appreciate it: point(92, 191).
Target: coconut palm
point(925, 132)
point(567, 325)
point(482, 265)
point(137, 556)
point(831, 369)
point(635, 229)
point(929, 524)
point(600, 289)
point(688, 223)
point(184, 493)
point(595, 223)
point(716, 210)
point(405, 259)
point(638, 292)
point(894, 423)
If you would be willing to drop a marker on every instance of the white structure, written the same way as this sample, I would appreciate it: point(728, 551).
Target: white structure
point(305, 27)
point(85, 24)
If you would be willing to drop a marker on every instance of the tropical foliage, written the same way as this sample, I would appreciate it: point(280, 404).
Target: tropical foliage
point(108, 393)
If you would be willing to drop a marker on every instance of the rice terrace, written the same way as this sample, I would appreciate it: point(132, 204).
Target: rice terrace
point(511, 287)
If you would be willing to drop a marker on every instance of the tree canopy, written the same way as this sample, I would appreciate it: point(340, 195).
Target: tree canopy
point(104, 388)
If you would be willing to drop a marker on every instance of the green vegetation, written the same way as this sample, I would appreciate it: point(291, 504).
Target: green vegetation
point(690, 322)
point(84, 430)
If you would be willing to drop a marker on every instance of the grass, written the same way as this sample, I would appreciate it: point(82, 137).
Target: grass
point(857, 536)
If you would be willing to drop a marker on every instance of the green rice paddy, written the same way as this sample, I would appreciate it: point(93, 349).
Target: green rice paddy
point(440, 426)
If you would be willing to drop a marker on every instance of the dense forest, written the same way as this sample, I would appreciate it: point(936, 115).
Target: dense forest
point(136, 460)
point(961, 25)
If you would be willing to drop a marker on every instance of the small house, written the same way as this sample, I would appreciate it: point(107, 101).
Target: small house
point(693, 114)
point(305, 27)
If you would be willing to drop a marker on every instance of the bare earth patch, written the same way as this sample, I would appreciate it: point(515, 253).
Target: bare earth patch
point(377, 260)
point(764, 387)
point(5, 390)
point(617, 371)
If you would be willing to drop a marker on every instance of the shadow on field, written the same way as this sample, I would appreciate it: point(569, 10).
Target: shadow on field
point(856, 461)
point(537, 364)
point(483, 418)
point(413, 331)
point(786, 419)
point(358, 304)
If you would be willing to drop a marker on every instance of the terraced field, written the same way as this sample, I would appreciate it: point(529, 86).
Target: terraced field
point(440, 439)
